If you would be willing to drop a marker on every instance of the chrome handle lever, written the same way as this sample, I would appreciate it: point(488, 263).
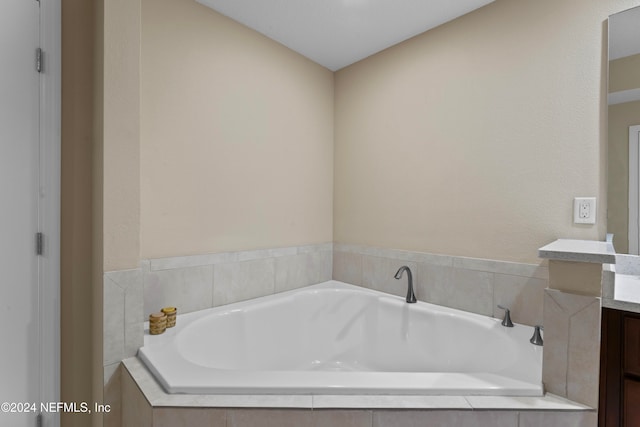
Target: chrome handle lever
point(507, 317)
point(536, 339)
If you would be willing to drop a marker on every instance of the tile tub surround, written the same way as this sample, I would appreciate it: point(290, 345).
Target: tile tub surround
point(571, 359)
point(470, 284)
point(149, 405)
point(580, 272)
point(189, 283)
point(512, 284)
point(197, 282)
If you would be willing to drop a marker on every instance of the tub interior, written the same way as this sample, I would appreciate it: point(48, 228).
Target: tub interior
point(336, 333)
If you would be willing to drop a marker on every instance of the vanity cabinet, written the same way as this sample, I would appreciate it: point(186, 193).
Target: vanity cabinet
point(620, 369)
point(632, 345)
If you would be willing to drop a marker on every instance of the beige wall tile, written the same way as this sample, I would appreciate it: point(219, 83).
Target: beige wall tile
point(556, 351)
point(239, 281)
point(583, 278)
point(159, 287)
point(558, 419)
point(584, 356)
point(522, 295)
point(110, 370)
point(445, 418)
point(569, 302)
point(113, 397)
point(378, 273)
point(342, 418)
point(133, 339)
point(432, 281)
point(113, 322)
point(347, 267)
point(458, 288)
point(188, 417)
point(303, 269)
point(188, 289)
point(130, 281)
point(571, 346)
point(269, 418)
point(136, 411)
point(326, 273)
point(503, 267)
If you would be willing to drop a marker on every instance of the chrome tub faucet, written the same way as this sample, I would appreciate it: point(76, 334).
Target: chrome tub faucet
point(411, 297)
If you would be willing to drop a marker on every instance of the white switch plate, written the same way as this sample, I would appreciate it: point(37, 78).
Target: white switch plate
point(584, 210)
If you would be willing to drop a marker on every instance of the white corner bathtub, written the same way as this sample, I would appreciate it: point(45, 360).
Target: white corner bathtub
point(335, 338)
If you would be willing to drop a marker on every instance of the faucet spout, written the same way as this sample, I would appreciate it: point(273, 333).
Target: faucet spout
point(411, 297)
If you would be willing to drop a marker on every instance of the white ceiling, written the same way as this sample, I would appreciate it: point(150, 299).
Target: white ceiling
point(624, 33)
point(337, 33)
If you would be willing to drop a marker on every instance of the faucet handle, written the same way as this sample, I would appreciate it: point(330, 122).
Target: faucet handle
point(536, 339)
point(507, 317)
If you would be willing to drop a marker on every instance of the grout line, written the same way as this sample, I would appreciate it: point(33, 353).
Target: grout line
point(468, 403)
point(563, 311)
point(569, 342)
point(493, 298)
point(213, 284)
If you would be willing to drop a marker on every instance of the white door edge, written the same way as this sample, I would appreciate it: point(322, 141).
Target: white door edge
point(49, 215)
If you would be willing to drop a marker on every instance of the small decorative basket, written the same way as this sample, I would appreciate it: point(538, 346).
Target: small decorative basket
point(157, 323)
point(171, 313)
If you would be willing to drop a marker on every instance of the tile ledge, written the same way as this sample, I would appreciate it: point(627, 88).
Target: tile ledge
point(198, 260)
point(157, 397)
point(579, 251)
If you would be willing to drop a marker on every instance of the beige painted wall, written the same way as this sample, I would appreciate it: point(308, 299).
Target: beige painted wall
point(474, 138)
point(621, 116)
point(121, 133)
point(116, 163)
point(236, 137)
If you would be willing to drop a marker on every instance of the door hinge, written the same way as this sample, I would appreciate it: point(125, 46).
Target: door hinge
point(39, 243)
point(39, 60)
point(39, 420)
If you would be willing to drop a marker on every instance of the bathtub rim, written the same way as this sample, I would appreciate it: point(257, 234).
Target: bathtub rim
point(158, 398)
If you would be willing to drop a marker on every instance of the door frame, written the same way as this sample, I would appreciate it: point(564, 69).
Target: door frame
point(49, 204)
point(634, 190)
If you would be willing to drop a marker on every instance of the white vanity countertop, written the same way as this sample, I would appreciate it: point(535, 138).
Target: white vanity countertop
point(626, 294)
point(579, 251)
